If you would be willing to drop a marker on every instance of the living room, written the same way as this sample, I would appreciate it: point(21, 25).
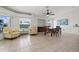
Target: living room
point(23, 28)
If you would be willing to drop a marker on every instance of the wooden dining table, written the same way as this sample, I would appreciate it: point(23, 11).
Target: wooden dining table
point(55, 31)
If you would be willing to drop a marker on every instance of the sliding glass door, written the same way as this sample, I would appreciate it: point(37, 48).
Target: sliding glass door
point(24, 25)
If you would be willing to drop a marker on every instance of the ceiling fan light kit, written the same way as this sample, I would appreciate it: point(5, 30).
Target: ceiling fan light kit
point(48, 12)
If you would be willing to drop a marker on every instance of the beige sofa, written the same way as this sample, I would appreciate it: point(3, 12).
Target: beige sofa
point(33, 30)
point(10, 34)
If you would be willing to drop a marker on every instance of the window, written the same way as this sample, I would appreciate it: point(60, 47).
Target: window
point(24, 25)
point(3, 22)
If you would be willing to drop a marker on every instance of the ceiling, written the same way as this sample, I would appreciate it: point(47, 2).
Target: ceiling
point(39, 10)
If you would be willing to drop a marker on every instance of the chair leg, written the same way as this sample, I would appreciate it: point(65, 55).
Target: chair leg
point(51, 34)
point(45, 33)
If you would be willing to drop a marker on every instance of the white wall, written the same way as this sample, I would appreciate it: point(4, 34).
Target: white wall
point(34, 21)
point(73, 17)
point(41, 22)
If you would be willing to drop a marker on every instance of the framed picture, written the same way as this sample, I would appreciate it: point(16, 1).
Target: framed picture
point(63, 21)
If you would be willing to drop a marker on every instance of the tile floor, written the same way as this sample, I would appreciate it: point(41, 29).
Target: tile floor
point(41, 43)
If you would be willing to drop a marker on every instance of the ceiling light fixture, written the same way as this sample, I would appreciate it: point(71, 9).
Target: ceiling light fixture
point(48, 12)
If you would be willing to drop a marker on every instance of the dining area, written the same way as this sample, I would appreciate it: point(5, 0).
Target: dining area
point(53, 31)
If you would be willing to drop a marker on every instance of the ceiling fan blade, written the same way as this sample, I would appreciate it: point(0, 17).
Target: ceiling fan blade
point(48, 12)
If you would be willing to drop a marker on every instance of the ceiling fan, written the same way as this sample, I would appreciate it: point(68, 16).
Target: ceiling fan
point(48, 12)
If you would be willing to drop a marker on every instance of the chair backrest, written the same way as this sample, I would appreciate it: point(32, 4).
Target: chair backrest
point(57, 26)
